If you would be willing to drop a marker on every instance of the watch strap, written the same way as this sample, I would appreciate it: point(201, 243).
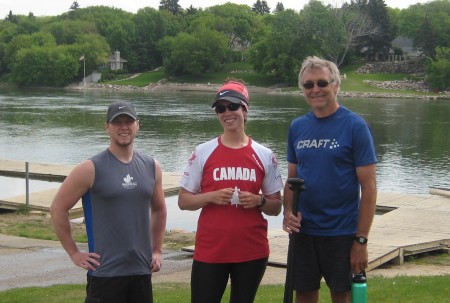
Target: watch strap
point(361, 239)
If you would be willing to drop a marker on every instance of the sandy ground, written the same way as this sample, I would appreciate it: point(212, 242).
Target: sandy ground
point(30, 262)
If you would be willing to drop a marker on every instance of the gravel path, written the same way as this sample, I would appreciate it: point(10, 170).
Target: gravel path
point(30, 262)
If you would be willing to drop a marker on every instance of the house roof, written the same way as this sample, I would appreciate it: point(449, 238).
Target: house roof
point(112, 58)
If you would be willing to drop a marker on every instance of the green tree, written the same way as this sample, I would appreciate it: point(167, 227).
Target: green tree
point(427, 39)
point(438, 70)
point(12, 18)
point(66, 31)
point(172, 24)
point(280, 48)
point(25, 41)
point(73, 10)
point(171, 6)
point(427, 24)
point(194, 54)
point(261, 7)
point(75, 6)
point(44, 66)
point(378, 42)
point(334, 32)
point(191, 10)
point(150, 29)
point(117, 27)
point(237, 23)
point(8, 31)
point(30, 24)
point(323, 29)
point(279, 7)
point(96, 51)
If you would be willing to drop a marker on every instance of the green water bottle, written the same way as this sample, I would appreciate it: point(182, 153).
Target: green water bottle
point(359, 288)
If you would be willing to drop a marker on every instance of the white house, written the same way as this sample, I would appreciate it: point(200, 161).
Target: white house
point(115, 62)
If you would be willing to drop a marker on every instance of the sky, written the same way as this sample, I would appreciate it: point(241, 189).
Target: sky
point(57, 7)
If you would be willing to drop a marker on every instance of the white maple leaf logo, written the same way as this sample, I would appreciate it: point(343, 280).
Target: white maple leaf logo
point(128, 179)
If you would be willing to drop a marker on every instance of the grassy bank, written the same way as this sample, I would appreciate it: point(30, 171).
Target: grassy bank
point(380, 290)
point(353, 82)
point(38, 226)
point(237, 70)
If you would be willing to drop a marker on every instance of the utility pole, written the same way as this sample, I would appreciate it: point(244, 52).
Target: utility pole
point(84, 69)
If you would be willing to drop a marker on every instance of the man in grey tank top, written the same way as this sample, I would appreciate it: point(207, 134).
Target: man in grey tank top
point(118, 187)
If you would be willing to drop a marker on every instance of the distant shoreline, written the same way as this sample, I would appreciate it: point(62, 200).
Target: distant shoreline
point(192, 87)
point(178, 87)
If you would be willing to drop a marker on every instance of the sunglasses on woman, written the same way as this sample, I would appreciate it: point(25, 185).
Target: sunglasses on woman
point(320, 83)
point(232, 107)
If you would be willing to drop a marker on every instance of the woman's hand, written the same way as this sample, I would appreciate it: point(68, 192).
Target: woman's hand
point(249, 200)
point(221, 196)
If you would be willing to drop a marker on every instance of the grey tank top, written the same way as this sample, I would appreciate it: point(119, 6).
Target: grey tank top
point(117, 214)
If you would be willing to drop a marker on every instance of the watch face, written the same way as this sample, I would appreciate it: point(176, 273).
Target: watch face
point(361, 240)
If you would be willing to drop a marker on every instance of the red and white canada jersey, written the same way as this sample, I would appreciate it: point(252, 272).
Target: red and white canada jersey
point(231, 233)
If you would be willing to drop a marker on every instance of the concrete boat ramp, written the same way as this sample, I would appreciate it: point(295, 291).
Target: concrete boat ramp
point(405, 224)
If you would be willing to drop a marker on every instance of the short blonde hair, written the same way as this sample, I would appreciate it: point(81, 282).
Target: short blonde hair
point(313, 62)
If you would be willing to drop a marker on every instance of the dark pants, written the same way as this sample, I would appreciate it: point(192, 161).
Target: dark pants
point(127, 289)
point(209, 280)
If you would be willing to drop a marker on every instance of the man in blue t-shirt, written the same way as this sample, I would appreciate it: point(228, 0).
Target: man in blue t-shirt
point(332, 150)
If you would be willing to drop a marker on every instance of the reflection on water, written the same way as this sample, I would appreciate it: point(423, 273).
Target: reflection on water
point(187, 220)
point(65, 127)
point(11, 187)
point(177, 219)
point(411, 174)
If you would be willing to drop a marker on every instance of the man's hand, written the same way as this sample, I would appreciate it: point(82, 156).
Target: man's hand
point(156, 262)
point(86, 260)
point(292, 223)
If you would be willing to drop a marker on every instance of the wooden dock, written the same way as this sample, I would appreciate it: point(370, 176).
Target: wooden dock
point(56, 173)
point(406, 224)
point(414, 224)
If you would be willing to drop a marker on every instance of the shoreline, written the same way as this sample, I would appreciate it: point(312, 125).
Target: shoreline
point(163, 86)
point(189, 87)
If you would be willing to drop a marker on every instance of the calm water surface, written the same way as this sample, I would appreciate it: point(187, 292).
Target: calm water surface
point(65, 127)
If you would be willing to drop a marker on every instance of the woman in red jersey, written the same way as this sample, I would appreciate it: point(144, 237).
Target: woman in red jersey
point(233, 180)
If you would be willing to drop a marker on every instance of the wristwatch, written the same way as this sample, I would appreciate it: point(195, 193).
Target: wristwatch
point(361, 239)
point(263, 201)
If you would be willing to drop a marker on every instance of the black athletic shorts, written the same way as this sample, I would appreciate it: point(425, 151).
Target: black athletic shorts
point(327, 257)
point(126, 289)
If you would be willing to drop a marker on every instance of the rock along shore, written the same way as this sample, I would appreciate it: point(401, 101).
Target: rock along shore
point(397, 88)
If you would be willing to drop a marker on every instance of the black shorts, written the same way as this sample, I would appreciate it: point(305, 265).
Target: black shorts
point(327, 257)
point(209, 280)
point(126, 289)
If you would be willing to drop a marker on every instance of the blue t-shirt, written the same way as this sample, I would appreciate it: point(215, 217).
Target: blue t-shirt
point(327, 152)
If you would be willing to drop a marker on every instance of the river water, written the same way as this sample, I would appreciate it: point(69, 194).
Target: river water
point(412, 137)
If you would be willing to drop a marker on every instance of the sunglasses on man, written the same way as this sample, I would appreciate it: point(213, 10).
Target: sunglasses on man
point(232, 107)
point(320, 83)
